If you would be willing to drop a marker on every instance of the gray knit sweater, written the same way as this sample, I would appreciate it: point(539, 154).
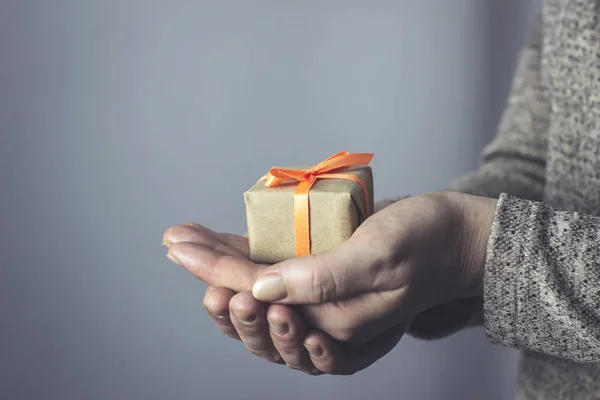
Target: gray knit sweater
point(542, 273)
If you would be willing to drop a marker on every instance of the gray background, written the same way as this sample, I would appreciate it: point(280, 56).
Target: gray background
point(119, 118)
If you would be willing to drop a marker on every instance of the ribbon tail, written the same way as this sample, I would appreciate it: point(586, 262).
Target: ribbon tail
point(344, 161)
point(302, 218)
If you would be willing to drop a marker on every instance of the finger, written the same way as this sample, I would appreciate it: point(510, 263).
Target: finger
point(236, 242)
point(288, 330)
point(326, 354)
point(249, 318)
point(224, 243)
point(356, 321)
point(346, 271)
point(216, 269)
point(216, 303)
point(333, 358)
point(365, 356)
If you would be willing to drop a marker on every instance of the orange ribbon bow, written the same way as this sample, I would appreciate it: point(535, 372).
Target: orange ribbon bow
point(330, 168)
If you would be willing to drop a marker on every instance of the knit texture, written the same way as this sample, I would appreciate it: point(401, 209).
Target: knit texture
point(542, 273)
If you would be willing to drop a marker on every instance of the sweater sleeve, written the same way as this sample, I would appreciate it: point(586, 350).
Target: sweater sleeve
point(514, 162)
point(542, 280)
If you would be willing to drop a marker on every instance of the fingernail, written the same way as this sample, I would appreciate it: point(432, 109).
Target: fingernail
point(219, 314)
point(279, 328)
point(247, 318)
point(170, 257)
point(315, 351)
point(269, 288)
point(167, 244)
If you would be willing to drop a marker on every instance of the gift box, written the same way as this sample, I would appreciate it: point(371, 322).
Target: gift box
point(296, 211)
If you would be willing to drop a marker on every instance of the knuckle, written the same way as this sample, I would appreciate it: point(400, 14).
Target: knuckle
point(214, 306)
point(288, 349)
point(252, 324)
point(288, 343)
point(251, 331)
point(323, 284)
point(387, 259)
point(220, 318)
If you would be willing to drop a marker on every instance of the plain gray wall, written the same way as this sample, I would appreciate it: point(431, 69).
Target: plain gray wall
point(119, 118)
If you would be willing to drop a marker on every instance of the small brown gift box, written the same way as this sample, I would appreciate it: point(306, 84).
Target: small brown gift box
point(337, 208)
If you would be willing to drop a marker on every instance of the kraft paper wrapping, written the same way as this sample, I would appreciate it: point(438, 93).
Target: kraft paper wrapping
point(337, 208)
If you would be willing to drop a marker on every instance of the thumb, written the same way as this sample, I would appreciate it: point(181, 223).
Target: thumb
point(343, 272)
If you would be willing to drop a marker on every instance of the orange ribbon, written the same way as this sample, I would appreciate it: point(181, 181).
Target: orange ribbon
point(330, 168)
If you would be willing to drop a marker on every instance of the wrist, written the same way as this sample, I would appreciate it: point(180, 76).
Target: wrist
point(476, 228)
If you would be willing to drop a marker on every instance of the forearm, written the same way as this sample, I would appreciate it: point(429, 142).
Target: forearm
point(542, 281)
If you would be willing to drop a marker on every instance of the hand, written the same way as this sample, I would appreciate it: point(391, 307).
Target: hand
point(415, 254)
point(339, 317)
point(277, 333)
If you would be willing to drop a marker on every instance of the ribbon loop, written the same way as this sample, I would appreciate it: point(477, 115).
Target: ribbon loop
point(306, 178)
